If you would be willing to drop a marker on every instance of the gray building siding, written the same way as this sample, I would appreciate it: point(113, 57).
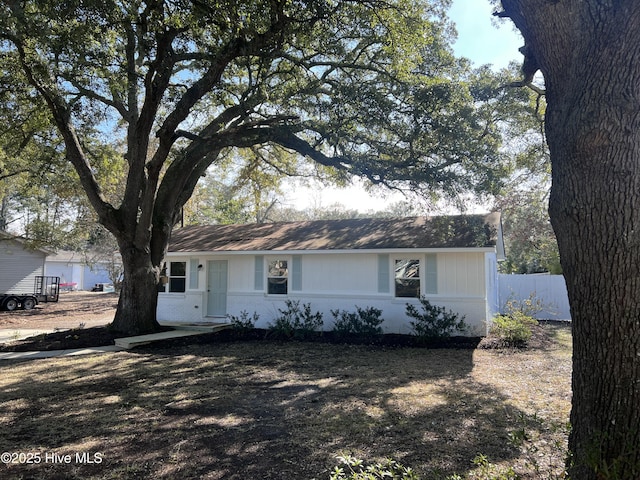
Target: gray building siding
point(19, 266)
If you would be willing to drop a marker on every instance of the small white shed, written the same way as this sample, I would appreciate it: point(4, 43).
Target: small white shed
point(216, 270)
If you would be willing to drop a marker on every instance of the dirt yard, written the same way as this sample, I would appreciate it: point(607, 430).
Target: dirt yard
point(279, 410)
point(73, 309)
point(286, 410)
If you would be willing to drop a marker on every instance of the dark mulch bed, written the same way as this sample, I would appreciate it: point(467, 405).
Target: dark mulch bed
point(63, 340)
point(257, 335)
point(101, 336)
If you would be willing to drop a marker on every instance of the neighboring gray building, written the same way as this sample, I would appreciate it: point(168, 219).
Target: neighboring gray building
point(19, 264)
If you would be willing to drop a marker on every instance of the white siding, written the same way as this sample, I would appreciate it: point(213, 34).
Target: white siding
point(461, 274)
point(340, 274)
point(19, 267)
point(393, 310)
point(241, 273)
point(333, 281)
point(187, 306)
point(63, 270)
point(181, 307)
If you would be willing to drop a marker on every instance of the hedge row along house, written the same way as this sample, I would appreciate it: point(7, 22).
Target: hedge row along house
point(219, 270)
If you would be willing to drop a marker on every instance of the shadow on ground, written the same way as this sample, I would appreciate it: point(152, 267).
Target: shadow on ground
point(244, 410)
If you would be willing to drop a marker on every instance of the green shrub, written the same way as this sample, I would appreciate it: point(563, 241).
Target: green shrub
point(365, 322)
point(488, 471)
point(434, 322)
point(243, 323)
point(530, 306)
point(296, 322)
point(345, 323)
point(282, 328)
point(512, 330)
point(354, 469)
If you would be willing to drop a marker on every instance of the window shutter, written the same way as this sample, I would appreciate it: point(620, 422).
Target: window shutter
point(193, 273)
point(383, 273)
point(296, 273)
point(259, 273)
point(431, 273)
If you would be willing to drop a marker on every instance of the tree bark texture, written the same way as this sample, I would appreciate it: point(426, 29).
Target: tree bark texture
point(589, 53)
point(136, 313)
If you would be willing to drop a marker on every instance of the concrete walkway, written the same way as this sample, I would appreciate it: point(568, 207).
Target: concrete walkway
point(11, 334)
point(181, 330)
point(57, 353)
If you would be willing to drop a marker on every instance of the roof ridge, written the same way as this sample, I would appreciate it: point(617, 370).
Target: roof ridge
point(450, 231)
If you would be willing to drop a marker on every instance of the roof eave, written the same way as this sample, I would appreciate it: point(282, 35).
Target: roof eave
point(334, 251)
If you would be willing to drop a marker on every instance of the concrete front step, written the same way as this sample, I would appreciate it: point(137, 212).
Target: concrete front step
point(181, 331)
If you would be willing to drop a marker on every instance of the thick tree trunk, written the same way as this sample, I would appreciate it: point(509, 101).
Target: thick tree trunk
point(595, 211)
point(136, 313)
point(593, 128)
point(589, 53)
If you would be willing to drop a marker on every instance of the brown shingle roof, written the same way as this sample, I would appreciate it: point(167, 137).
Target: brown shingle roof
point(460, 231)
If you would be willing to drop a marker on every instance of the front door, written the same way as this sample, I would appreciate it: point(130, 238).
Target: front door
point(216, 288)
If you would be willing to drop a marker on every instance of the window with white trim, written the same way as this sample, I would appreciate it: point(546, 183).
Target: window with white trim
point(278, 277)
point(407, 277)
point(175, 275)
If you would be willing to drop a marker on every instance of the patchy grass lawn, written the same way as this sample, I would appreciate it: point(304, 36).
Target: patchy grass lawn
point(270, 410)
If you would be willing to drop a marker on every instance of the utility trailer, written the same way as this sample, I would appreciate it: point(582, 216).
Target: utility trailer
point(45, 289)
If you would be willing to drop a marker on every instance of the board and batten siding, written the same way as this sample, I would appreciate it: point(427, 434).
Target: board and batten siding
point(461, 274)
point(340, 274)
point(18, 267)
point(330, 281)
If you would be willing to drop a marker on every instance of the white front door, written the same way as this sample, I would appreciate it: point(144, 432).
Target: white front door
point(217, 288)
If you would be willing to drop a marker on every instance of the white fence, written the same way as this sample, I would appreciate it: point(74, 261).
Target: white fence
point(551, 289)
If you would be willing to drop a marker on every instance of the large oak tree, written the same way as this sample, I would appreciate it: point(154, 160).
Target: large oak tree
point(589, 54)
point(366, 87)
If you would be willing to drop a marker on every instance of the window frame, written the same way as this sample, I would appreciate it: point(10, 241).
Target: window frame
point(287, 276)
point(169, 275)
point(419, 278)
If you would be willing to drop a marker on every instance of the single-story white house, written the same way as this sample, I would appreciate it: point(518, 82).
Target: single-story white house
point(212, 271)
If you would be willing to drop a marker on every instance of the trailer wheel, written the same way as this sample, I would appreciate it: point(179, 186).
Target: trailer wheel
point(11, 304)
point(28, 303)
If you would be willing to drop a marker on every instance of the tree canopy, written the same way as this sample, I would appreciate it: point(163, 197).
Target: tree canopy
point(363, 87)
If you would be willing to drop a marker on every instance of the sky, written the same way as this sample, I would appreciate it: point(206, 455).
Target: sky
point(483, 40)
